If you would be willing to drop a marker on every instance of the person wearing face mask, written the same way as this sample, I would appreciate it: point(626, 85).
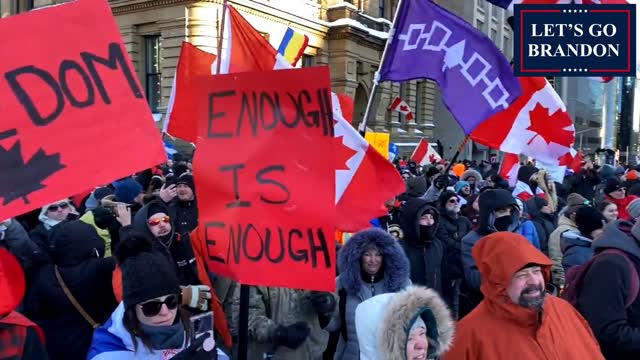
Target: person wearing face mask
point(371, 263)
point(79, 269)
point(50, 216)
point(498, 212)
point(424, 249)
point(451, 229)
point(542, 216)
point(149, 323)
point(517, 319)
point(414, 324)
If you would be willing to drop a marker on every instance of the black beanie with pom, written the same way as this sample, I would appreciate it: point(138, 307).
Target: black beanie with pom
point(146, 273)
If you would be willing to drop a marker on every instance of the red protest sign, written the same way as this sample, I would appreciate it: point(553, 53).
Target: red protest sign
point(265, 177)
point(73, 112)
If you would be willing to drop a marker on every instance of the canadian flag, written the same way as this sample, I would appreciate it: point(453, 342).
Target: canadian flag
point(604, 79)
point(536, 124)
point(509, 168)
point(366, 180)
point(401, 106)
point(425, 154)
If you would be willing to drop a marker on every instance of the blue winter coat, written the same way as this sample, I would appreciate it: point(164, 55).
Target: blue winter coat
point(528, 230)
point(576, 249)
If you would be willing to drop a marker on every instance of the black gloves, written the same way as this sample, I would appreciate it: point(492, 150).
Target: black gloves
point(441, 182)
point(196, 351)
point(323, 302)
point(292, 336)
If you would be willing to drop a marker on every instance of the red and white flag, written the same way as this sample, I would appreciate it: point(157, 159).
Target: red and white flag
point(509, 168)
point(425, 154)
point(364, 178)
point(402, 107)
point(536, 124)
point(604, 79)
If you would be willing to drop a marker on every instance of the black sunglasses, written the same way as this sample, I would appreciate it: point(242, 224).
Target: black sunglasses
point(152, 308)
point(55, 207)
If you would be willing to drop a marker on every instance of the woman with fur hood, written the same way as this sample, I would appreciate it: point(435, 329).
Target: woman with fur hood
point(412, 324)
point(473, 178)
point(370, 263)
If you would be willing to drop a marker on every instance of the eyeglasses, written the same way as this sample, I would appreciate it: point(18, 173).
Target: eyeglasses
point(152, 308)
point(56, 207)
point(157, 221)
point(453, 201)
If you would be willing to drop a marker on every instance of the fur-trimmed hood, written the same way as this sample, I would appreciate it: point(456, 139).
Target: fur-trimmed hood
point(472, 173)
point(383, 323)
point(395, 263)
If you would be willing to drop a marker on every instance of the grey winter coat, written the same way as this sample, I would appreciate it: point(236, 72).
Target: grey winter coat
point(353, 287)
point(383, 323)
point(576, 249)
point(555, 251)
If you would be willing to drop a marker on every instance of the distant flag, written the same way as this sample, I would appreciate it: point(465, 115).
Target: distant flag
point(429, 42)
point(509, 168)
point(425, 154)
point(402, 107)
point(393, 151)
point(293, 45)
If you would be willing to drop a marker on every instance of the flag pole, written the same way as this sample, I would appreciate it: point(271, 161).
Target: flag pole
point(376, 78)
point(225, 5)
point(455, 156)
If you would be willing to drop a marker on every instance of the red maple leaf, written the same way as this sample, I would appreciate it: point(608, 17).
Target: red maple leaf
point(432, 158)
point(343, 154)
point(404, 108)
point(551, 127)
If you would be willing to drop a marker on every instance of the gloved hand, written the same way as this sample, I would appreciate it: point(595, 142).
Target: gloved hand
point(196, 296)
point(203, 348)
point(323, 302)
point(441, 182)
point(292, 336)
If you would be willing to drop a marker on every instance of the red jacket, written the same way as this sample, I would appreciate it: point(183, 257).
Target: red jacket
point(622, 204)
point(13, 335)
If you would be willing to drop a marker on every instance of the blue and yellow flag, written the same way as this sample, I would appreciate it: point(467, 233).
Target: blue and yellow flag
point(293, 45)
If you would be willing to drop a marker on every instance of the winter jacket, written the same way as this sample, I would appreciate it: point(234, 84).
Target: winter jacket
point(490, 201)
point(40, 236)
point(425, 252)
point(20, 338)
point(89, 218)
point(622, 204)
point(528, 230)
point(354, 287)
point(499, 329)
point(270, 307)
point(604, 294)
point(584, 183)
point(472, 173)
point(186, 213)
point(452, 228)
point(383, 323)
point(113, 342)
point(77, 253)
point(633, 187)
point(14, 238)
point(544, 223)
point(576, 249)
point(555, 250)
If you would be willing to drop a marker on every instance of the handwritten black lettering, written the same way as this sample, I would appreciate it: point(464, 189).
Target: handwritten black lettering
point(256, 240)
point(8, 133)
point(116, 59)
point(217, 115)
point(236, 186)
point(27, 102)
point(65, 67)
point(266, 100)
point(213, 242)
point(318, 244)
point(261, 179)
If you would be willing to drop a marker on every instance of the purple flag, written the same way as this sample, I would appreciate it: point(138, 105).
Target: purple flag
point(430, 42)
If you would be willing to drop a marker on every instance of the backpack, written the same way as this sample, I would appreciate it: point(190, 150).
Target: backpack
point(574, 279)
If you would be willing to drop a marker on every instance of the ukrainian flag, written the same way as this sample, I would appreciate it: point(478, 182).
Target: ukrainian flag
point(293, 45)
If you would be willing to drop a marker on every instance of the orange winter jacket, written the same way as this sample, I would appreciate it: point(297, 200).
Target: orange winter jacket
point(498, 329)
point(219, 317)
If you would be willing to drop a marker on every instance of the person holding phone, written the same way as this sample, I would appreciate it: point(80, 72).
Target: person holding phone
point(149, 323)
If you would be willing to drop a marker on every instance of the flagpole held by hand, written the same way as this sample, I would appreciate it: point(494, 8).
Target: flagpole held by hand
point(455, 156)
point(362, 128)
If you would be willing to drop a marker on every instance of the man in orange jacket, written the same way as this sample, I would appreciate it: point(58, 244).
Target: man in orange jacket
point(517, 318)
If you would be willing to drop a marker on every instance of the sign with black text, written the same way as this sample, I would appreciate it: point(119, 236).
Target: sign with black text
point(575, 40)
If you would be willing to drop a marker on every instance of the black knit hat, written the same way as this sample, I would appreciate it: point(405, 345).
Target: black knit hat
point(589, 219)
point(186, 179)
point(612, 185)
point(146, 274)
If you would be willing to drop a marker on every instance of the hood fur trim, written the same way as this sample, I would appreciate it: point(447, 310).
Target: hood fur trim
point(474, 173)
point(396, 265)
point(400, 314)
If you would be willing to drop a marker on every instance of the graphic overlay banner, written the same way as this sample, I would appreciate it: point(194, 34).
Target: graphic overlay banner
point(575, 40)
point(265, 177)
point(74, 115)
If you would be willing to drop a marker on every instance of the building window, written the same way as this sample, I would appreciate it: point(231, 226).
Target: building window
point(306, 61)
point(153, 71)
point(479, 24)
point(419, 101)
point(381, 9)
point(494, 34)
point(494, 11)
point(508, 47)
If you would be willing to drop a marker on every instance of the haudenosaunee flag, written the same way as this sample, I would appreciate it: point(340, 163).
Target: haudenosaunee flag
point(429, 42)
point(364, 178)
point(536, 125)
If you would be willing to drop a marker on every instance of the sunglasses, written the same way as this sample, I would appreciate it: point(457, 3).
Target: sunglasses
point(152, 308)
point(453, 201)
point(57, 207)
point(157, 221)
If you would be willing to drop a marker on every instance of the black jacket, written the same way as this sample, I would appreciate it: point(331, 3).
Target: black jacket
point(604, 294)
point(544, 223)
point(584, 183)
point(425, 254)
point(87, 276)
point(186, 213)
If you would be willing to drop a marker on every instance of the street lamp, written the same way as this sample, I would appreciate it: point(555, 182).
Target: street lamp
point(581, 132)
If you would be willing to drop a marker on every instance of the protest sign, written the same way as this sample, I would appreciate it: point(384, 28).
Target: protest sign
point(265, 177)
point(74, 115)
point(379, 141)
